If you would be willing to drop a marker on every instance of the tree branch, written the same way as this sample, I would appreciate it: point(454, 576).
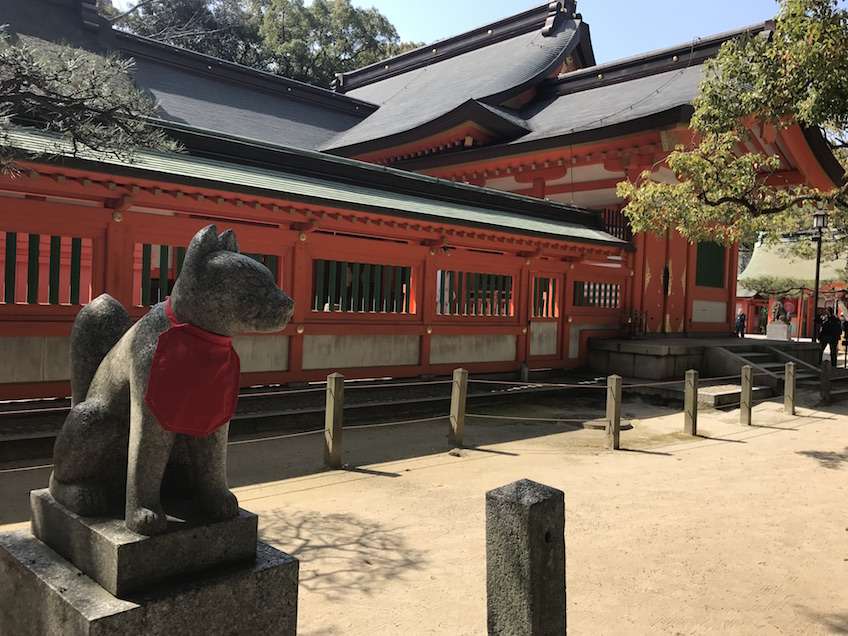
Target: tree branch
point(131, 10)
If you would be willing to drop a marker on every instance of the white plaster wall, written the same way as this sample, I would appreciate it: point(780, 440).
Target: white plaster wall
point(34, 359)
point(543, 338)
point(462, 349)
point(574, 336)
point(339, 352)
point(262, 353)
point(709, 311)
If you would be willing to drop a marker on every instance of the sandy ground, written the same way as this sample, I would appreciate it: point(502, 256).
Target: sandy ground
point(742, 530)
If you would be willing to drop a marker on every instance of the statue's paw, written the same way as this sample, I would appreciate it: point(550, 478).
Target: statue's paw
point(221, 504)
point(86, 500)
point(146, 521)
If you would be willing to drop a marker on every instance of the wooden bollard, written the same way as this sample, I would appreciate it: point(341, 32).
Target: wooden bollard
point(333, 420)
point(789, 389)
point(614, 412)
point(690, 403)
point(825, 381)
point(459, 392)
point(746, 395)
point(525, 560)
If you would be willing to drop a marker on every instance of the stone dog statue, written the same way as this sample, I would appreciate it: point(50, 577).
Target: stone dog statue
point(778, 313)
point(160, 394)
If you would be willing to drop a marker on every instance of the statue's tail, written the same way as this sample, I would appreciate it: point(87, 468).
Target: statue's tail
point(97, 327)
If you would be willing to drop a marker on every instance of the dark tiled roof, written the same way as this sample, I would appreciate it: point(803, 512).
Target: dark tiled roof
point(607, 100)
point(195, 89)
point(625, 90)
point(209, 93)
point(491, 74)
point(203, 101)
point(72, 22)
point(612, 104)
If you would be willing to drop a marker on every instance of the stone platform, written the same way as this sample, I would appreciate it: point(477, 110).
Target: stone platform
point(42, 594)
point(123, 561)
point(80, 576)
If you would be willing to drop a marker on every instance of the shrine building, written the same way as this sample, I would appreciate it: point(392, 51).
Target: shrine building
point(453, 206)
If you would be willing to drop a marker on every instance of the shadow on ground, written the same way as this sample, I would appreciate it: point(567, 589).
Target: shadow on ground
point(828, 459)
point(258, 460)
point(833, 623)
point(274, 458)
point(340, 554)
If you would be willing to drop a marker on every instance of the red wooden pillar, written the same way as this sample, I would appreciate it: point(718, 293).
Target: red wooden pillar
point(567, 310)
point(523, 311)
point(116, 260)
point(302, 294)
point(433, 262)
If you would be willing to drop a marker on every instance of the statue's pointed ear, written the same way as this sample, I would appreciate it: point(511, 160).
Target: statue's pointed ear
point(229, 241)
point(203, 243)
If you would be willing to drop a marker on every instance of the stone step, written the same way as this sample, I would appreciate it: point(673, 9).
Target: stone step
point(729, 394)
point(757, 357)
point(772, 365)
point(838, 395)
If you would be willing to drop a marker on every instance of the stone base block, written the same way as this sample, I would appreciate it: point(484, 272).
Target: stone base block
point(41, 593)
point(778, 331)
point(124, 562)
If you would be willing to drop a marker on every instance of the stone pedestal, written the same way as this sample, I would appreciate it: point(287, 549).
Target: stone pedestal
point(124, 562)
point(199, 578)
point(778, 331)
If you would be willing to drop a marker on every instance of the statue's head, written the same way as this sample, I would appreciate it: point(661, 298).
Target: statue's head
point(225, 292)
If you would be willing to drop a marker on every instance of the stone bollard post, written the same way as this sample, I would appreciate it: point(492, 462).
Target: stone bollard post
point(690, 403)
point(614, 412)
point(746, 395)
point(525, 560)
point(333, 420)
point(789, 389)
point(457, 411)
point(825, 381)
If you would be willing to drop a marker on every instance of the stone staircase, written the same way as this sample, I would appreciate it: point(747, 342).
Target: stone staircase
point(769, 366)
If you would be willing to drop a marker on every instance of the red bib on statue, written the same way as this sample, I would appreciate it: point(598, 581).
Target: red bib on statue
point(194, 379)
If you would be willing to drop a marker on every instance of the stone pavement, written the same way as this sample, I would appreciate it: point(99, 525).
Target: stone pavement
point(741, 530)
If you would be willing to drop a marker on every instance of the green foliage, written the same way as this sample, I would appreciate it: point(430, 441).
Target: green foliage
point(726, 192)
point(310, 43)
point(221, 28)
point(83, 98)
point(784, 286)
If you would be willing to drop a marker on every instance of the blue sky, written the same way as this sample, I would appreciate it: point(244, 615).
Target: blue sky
point(619, 28)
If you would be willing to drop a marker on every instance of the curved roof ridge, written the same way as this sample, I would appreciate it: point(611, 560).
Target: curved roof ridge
point(544, 18)
point(709, 43)
point(423, 95)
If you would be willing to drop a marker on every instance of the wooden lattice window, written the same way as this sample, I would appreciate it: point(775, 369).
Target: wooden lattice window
point(159, 266)
point(545, 298)
point(37, 269)
point(345, 286)
point(473, 294)
point(601, 295)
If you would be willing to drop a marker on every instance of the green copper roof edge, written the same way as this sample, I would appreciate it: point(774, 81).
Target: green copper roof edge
point(179, 168)
point(368, 167)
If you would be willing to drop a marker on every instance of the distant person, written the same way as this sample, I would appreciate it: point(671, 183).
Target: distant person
point(741, 323)
point(829, 334)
